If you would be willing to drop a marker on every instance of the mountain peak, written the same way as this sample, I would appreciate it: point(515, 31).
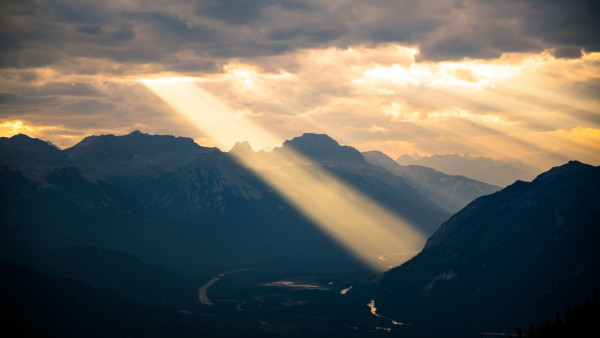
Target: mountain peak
point(136, 132)
point(23, 148)
point(570, 169)
point(21, 137)
point(135, 152)
point(322, 148)
point(312, 139)
point(241, 148)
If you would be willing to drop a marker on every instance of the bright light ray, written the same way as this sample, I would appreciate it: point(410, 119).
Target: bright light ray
point(209, 114)
point(551, 101)
point(375, 235)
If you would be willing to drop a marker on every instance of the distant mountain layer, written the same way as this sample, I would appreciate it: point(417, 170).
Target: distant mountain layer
point(508, 259)
point(500, 173)
point(452, 193)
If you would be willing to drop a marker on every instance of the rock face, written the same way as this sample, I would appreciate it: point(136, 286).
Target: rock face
point(514, 257)
point(451, 193)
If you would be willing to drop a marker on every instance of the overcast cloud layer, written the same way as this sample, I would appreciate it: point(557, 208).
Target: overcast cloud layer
point(197, 35)
point(399, 76)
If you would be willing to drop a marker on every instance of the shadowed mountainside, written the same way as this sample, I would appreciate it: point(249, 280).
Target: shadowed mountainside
point(514, 257)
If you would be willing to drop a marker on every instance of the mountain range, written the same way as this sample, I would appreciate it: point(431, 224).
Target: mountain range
point(166, 200)
point(151, 218)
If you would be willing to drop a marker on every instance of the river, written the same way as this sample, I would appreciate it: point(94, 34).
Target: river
point(202, 291)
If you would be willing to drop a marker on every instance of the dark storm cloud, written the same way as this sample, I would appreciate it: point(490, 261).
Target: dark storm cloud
point(12, 100)
point(565, 23)
point(8, 98)
point(39, 33)
point(234, 12)
point(23, 92)
point(244, 12)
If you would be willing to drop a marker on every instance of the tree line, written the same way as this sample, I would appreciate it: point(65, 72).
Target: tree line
point(582, 321)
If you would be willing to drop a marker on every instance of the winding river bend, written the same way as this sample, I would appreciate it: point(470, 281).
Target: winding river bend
point(203, 296)
point(371, 304)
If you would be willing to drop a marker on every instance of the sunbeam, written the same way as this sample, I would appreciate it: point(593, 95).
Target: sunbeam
point(378, 237)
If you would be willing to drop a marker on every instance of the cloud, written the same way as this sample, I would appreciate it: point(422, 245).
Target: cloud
point(412, 75)
point(42, 33)
point(71, 89)
point(89, 107)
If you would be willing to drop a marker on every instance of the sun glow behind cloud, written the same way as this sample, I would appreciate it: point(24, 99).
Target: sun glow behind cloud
point(466, 75)
point(358, 223)
point(373, 97)
point(382, 97)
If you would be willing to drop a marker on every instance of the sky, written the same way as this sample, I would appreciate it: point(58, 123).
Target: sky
point(498, 79)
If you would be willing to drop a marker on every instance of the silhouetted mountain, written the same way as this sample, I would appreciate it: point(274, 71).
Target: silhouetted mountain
point(187, 183)
point(22, 148)
point(135, 154)
point(205, 216)
point(507, 259)
point(452, 193)
point(241, 148)
point(31, 156)
point(501, 173)
point(321, 148)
